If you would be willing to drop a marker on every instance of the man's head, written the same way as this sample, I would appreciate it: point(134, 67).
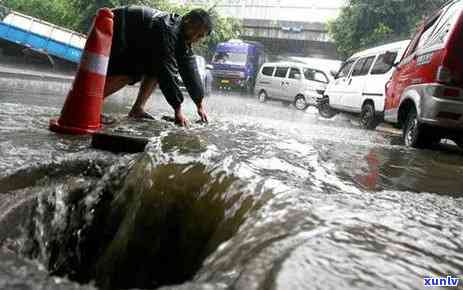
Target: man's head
point(196, 24)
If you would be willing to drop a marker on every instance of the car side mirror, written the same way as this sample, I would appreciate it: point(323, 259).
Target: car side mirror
point(209, 66)
point(333, 73)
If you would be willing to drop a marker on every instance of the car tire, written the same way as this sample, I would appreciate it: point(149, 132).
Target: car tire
point(324, 108)
point(262, 96)
point(368, 118)
point(300, 103)
point(415, 134)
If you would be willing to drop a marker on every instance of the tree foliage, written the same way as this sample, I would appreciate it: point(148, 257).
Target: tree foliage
point(366, 23)
point(77, 15)
point(55, 11)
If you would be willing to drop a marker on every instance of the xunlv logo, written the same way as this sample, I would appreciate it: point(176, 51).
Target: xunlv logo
point(449, 281)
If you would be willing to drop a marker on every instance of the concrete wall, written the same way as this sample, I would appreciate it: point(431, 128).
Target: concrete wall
point(291, 38)
point(285, 27)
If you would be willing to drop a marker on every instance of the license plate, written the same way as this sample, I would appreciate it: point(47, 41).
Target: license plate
point(225, 81)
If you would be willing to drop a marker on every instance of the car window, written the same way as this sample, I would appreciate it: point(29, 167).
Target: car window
point(315, 75)
point(367, 65)
point(345, 69)
point(268, 70)
point(419, 43)
point(281, 72)
point(444, 25)
point(381, 67)
point(294, 73)
point(230, 58)
point(357, 70)
point(320, 77)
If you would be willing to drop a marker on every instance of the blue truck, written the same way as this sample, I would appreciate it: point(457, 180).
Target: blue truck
point(40, 37)
point(235, 64)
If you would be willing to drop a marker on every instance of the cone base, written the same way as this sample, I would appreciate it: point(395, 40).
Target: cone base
point(55, 126)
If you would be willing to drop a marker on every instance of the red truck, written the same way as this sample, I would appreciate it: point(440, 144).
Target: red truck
point(425, 93)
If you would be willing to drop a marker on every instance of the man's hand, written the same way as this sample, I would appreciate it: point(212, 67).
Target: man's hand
point(202, 113)
point(181, 119)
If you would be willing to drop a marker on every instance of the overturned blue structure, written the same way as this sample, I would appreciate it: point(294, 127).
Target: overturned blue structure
point(40, 36)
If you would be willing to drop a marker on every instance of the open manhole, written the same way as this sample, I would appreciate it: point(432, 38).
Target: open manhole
point(139, 225)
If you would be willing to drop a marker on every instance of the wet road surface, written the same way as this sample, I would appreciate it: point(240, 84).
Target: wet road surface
point(264, 197)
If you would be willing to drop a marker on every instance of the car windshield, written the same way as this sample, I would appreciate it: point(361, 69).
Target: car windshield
point(230, 58)
point(314, 75)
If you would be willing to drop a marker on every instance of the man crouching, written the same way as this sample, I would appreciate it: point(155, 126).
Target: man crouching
point(154, 47)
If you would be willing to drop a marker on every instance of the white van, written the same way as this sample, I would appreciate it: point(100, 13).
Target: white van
point(359, 86)
point(291, 82)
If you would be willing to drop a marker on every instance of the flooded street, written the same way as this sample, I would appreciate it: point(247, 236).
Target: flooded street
point(263, 197)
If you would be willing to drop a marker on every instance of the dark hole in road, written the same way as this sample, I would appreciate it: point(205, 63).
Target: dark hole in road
point(139, 226)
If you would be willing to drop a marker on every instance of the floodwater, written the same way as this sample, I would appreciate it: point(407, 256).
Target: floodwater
point(263, 197)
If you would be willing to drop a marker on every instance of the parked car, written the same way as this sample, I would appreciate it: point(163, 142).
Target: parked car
point(359, 86)
point(291, 82)
point(236, 63)
point(425, 94)
point(204, 73)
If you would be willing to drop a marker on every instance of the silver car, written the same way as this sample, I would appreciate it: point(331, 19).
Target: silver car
point(205, 74)
point(291, 82)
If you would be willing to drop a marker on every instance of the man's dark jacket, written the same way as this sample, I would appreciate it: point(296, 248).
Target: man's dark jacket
point(149, 42)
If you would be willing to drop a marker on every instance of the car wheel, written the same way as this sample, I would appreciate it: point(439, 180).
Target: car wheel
point(416, 134)
point(368, 118)
point(300, 103)
point(262, 97)
point(324, 108)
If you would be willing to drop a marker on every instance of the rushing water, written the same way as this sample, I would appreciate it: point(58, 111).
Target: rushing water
point(264, 197)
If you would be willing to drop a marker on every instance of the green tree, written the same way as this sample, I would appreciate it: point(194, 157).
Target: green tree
point(87, 9)
point(224, 28)
point(366, 23)
point(54, 11)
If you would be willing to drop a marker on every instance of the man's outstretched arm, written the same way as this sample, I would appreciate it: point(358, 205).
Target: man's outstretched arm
point(170, 88)
point(189, 72)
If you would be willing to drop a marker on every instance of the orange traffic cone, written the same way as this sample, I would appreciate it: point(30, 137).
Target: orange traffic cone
point(82, 109)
